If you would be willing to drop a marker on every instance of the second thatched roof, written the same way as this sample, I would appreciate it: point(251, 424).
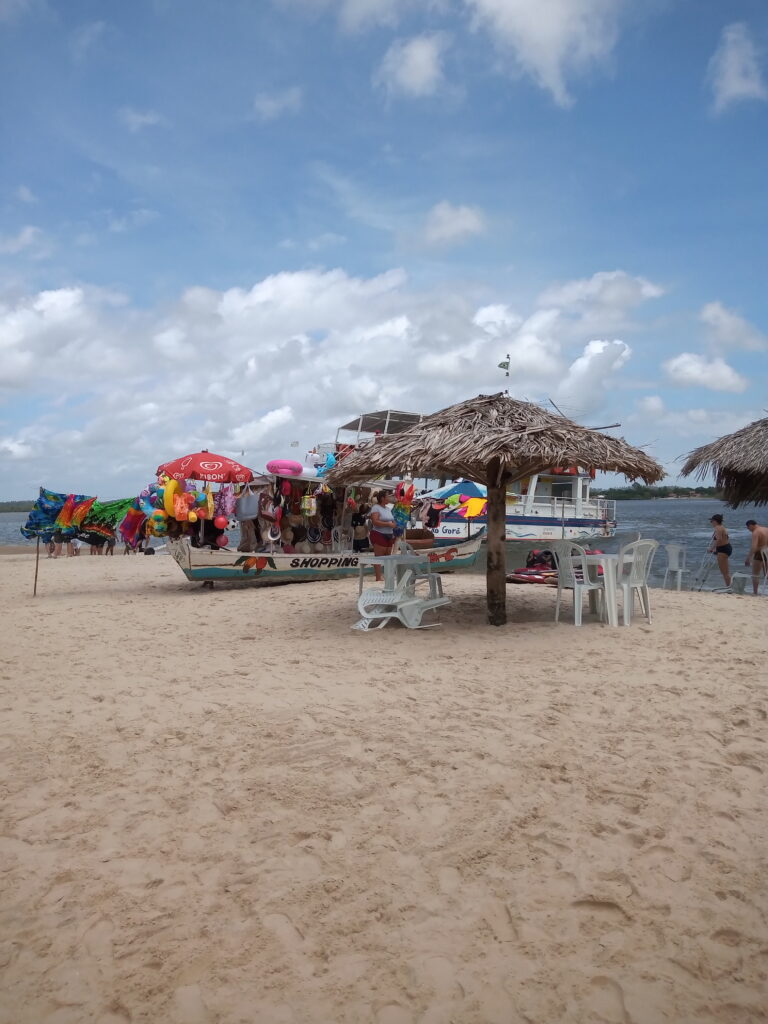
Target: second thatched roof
point(739, 463)
point(520, 437)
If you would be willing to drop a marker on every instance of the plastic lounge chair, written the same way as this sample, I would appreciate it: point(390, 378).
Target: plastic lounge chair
point(377, 607)
point(675, 564)
point(573, 574)
point(633, 570)
point(409, 612)
point(433, 580)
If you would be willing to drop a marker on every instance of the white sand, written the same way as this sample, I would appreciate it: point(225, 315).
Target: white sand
point(229, 807)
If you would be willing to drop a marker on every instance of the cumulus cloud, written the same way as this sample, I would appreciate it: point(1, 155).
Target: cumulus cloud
point(29, 240)
point(358, 15)
point(413, 67)
point(614, 288)
point(85, 37)
point(498, 319)
point(550, 41)
point(10, 9)
point(729, 330)
point(248, 369)
point(268, 106)
point(136, 120)
point(702, 424)
point(582, 389)
point(692, 370)
point(447, 224)
point(25, 194)
point(137, 218)
point(734, 69)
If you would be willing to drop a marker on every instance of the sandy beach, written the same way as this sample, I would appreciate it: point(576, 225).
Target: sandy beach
point(229, 807)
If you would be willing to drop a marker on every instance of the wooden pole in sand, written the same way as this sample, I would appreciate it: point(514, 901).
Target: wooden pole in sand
point(496, 570)
point(37, 566)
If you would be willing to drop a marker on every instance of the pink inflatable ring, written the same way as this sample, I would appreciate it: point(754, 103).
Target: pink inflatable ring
point(284, 467)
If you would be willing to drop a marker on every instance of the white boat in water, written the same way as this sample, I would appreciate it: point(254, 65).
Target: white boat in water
point(548, 506)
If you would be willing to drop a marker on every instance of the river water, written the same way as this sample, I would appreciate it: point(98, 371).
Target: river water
point(669, 520)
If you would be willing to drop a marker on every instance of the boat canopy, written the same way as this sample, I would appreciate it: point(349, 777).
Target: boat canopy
point(387, 421)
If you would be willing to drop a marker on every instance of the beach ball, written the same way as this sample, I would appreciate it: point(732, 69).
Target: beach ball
point(201, 498)
point(232, 524)
point(159, 516)
point(222, 540)
point(202, 512)
point(221, 522)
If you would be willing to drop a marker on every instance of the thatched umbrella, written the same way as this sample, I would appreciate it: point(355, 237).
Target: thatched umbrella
point(494, 439)
point(739, 462)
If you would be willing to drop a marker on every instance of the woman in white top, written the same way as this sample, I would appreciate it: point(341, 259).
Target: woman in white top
point(382, 528)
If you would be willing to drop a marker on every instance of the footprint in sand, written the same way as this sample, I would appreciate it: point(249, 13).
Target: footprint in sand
point(292, 940)
point(394, 1013)
point(448, 879)
point(114, 1015)
point(440, 974)
point(499, 919)
point(98, 942)
point(605, 1001)
point(189, 1007)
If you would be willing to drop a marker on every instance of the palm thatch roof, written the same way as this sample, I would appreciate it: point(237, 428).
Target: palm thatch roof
point(739, 462)
point(514, 437)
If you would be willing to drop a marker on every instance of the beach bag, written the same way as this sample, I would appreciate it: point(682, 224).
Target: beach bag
point(247, 506)
point(224, 501)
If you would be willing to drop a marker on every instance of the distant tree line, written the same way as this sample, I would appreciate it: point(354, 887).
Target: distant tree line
point(640, 491)
point(16, 506)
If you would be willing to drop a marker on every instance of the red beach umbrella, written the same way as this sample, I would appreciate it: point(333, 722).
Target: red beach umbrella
point(204, 465)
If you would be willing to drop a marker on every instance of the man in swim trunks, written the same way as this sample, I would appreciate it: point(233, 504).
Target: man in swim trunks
point(758, 552)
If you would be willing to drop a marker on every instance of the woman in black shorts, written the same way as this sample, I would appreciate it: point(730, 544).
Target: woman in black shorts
point(721, 547)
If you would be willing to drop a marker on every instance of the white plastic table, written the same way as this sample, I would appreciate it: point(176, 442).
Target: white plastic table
point(393, 566)
point(609, 564)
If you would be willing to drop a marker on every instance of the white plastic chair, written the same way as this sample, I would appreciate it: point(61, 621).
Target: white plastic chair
point(762, 586)
point(633, 570)
point(377, 607)
point(676, 555)
point(573, 574)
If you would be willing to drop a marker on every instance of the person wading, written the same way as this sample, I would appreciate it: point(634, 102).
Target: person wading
point(721, 546)
point(758, 552)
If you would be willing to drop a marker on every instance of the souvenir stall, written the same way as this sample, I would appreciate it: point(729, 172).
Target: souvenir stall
point(293, 525)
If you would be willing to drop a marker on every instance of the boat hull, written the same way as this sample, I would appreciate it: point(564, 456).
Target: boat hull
point(206, 565)
point(528, 528)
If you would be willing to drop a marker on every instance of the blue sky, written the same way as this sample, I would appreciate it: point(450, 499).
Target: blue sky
point(235, 225)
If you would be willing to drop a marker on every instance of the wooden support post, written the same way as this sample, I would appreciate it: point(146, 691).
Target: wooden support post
point(496, 571)
point(37, 566)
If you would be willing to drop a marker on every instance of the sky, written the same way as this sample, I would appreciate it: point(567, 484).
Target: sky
point(237, 225)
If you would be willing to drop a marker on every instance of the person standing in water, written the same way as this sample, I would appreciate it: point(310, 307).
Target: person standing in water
point(758, 552)
point(721, 547)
